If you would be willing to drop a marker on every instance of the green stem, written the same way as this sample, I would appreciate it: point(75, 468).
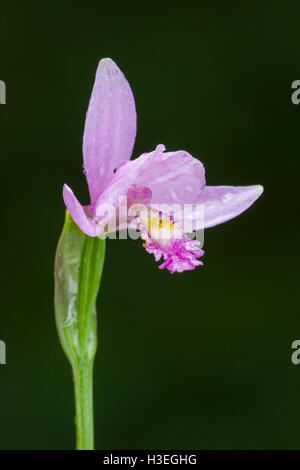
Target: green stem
point(83, 383)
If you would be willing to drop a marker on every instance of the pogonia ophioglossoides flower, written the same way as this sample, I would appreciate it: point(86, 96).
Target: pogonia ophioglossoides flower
point(157, 177)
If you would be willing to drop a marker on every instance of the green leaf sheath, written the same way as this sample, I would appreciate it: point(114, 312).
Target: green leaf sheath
point(78, 268)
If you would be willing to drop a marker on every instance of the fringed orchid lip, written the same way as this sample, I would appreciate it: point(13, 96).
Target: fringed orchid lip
point(166, 239)
point(158, 177)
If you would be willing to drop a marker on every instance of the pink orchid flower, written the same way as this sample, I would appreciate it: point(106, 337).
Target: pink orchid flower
point(157, 177)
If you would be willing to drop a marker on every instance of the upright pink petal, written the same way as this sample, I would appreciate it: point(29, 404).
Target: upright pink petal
point(222, 203)
point(173, 177)
point(110, 126)
point(120, 183)
point(85, 223)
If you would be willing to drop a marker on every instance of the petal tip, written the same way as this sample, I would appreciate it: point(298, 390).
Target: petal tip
point(260, 189)
point(160, 148)
point(107, 65)
point(67, 188)
point(257, 191)
point(105, 60)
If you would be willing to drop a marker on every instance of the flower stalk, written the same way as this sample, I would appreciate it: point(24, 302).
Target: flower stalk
point(84, 419)
point(78, 269)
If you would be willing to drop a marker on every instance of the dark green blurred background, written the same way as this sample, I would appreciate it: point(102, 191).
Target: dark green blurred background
point(199, 360)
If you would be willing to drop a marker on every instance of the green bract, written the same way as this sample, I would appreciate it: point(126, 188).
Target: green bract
point(78, 268)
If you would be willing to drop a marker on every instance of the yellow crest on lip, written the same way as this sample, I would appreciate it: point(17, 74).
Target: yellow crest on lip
point(159, 226)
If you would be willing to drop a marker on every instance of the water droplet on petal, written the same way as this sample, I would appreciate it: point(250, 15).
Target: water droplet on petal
point(227, 197)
